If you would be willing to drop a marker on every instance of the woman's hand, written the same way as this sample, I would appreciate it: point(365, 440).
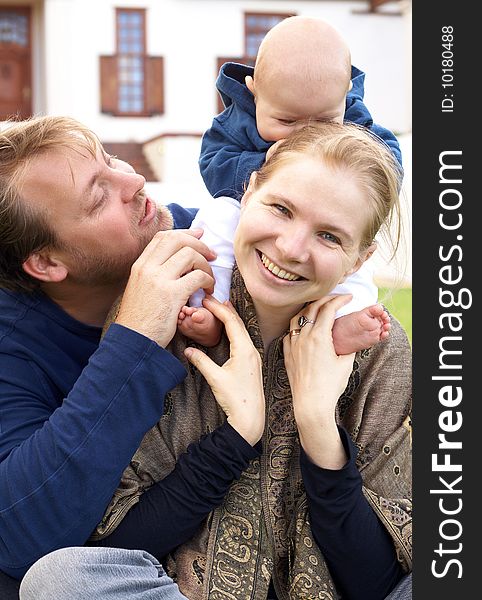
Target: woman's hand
point(238, 384)
point(317, 378)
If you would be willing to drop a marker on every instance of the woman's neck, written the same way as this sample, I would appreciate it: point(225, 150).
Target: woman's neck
point(273, 322)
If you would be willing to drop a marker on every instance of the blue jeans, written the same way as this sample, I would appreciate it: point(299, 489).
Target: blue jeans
point(98, 573)
point(403, 591)
point(114, 574)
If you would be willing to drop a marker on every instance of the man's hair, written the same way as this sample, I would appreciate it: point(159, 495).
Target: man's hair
point(25, 229)
point(356, 149)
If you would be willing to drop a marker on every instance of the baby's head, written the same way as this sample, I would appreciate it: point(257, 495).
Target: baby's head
point(302, 72)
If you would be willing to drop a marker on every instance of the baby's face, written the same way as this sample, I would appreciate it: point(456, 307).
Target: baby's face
point(279, 112)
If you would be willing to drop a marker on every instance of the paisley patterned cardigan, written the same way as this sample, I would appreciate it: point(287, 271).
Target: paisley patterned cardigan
point(262, 530)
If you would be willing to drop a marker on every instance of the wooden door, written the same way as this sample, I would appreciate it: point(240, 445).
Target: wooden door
point(15, 63)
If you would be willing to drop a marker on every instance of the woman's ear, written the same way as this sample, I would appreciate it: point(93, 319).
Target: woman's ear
point(41, 265)
point(250, 189)
point(368, 252)
point(365, 255)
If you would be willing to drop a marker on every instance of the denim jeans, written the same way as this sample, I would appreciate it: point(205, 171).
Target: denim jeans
point(115, 574)
point(403, 591)
point(98, 573)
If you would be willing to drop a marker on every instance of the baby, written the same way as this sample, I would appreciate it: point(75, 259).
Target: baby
point(302, 73)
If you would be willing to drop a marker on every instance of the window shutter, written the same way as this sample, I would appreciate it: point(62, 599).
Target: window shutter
point(108, 84)
point(154, 70)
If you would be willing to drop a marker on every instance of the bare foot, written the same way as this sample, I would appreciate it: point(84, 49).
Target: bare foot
point(199, 325)
point(361, 329)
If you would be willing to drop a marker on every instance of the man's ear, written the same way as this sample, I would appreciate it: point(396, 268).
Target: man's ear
point(41, 265)
point(249, 81)
point(365, 255)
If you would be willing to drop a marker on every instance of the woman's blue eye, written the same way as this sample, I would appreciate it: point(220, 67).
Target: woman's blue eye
point(282, 209)
point(329, 237)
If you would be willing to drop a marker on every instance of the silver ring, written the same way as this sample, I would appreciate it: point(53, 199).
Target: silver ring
point(302, 321)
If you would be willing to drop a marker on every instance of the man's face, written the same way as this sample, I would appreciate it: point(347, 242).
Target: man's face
point(98, 208)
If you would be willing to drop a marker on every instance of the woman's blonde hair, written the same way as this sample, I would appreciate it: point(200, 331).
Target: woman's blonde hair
point(356, 149)
point(23, 228)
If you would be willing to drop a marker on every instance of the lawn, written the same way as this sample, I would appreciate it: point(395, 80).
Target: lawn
point(399, 304)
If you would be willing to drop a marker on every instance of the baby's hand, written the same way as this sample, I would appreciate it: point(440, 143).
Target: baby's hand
point(199, 325)
point(361, 329)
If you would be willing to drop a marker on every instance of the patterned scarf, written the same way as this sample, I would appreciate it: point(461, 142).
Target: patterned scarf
point(262, 530)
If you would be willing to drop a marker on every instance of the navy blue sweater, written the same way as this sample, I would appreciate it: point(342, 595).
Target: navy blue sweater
point(64, 396)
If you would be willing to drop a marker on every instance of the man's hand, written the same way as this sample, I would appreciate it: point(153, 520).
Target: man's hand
point(173, 266)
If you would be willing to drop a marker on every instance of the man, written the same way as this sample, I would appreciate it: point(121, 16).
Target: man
point(76, 231)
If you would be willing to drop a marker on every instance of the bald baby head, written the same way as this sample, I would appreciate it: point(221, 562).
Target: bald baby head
point(302, 72)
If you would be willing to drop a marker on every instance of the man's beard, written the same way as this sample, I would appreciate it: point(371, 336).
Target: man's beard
point(103, 270)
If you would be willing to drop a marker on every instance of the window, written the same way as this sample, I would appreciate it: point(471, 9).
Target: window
point(14, 28)
point(15, 63)
point(256, 26)
point(131, 81)
point(130, 51)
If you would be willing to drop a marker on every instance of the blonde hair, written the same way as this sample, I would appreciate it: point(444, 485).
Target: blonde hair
point(354, 148)
point(23, 228)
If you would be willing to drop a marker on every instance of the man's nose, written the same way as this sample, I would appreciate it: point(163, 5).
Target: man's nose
point(131, 184)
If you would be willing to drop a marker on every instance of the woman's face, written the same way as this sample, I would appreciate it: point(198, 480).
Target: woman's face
point(299, 234)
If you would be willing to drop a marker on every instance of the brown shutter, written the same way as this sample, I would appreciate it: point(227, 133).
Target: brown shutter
point(154, 70)
point(108, 84)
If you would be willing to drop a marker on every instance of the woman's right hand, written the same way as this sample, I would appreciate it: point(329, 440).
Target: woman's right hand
point(238, 384)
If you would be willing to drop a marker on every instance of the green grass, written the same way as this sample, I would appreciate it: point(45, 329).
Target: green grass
point(399, 304)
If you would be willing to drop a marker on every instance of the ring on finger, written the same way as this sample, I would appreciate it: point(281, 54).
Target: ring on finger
point(294, 332)
point(302, 321)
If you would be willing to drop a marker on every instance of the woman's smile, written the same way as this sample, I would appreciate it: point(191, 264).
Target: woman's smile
point(277, 272)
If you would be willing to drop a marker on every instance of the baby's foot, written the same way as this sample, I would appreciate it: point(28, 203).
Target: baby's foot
point(199, 325)
point(361, 329)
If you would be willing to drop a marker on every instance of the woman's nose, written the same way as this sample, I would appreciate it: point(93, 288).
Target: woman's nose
point(294, 244)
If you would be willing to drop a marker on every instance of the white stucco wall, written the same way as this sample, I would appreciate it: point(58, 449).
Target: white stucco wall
point(190, 34)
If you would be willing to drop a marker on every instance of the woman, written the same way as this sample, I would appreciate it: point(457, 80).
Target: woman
point(300, 518)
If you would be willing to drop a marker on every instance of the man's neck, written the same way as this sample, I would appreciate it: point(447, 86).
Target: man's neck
point(88, 304)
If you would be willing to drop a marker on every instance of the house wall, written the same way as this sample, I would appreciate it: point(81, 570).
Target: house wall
point(189, 36)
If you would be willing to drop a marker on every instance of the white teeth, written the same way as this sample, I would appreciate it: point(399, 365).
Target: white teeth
point(281, 273)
